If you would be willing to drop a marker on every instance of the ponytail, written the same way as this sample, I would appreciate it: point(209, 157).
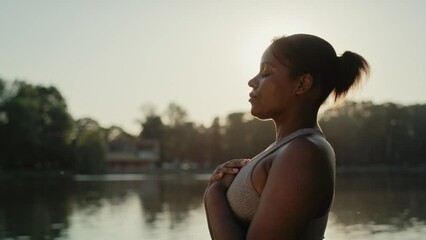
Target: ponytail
point(304, 53)
point(351, 67)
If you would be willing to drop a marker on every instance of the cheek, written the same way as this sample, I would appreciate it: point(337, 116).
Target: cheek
point(282, 92)
point(274, 94)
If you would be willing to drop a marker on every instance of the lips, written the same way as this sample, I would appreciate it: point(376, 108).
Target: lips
point(252, 97)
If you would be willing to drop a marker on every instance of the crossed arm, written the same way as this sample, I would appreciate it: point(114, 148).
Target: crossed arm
point(298, 181)
point(222, 223)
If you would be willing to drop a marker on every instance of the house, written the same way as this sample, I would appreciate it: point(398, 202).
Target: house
point(127, 155)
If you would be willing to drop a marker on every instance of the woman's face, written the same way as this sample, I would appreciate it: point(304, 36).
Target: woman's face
point(273, 89)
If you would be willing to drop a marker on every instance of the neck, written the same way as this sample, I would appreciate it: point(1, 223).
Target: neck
point(284, 125)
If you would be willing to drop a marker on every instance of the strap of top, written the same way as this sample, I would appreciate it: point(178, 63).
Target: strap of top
point(242, 197)
point(286, 139)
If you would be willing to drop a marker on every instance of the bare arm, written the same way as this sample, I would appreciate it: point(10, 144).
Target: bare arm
point(298, 180)
point(215, 202)
point(222, 223)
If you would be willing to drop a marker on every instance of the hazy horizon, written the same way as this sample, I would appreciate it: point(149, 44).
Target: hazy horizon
point(108, 58)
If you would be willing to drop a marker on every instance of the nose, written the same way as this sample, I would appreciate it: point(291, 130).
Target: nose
point(253, 83)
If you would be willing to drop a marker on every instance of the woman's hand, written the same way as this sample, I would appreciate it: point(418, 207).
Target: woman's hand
point(231, 167)
point(216, 204)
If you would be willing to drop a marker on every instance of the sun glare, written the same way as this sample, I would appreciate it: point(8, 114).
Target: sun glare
point(257, 38)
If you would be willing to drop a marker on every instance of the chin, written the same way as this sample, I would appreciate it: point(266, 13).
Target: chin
point(259, 115)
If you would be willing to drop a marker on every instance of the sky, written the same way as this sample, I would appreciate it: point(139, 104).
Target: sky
point(110, 58)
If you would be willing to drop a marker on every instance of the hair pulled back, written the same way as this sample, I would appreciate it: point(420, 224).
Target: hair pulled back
point(303, 53)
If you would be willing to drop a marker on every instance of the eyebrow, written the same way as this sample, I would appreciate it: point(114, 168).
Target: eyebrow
point(266, 65)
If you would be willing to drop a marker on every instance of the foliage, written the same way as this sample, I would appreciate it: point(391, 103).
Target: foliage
point(367, 134)
point(185, 143)
point(362, 134)
point(34, 129)
point(38, 133)
point(90, 147)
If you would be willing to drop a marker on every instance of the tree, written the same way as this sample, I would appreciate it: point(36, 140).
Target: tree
point(35, 127)
point(2, 89)
point(214, 144)
point(153, 129)
point(365, 134)
point(176, 115)
point(90, 147)
point(235, 141)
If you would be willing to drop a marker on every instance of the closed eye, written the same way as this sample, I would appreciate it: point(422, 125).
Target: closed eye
point(264, 75)
point(265, 70)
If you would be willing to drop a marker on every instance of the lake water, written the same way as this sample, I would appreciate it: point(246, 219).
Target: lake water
point(158, 207)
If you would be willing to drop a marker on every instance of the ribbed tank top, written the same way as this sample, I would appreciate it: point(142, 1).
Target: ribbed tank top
point(243, 198)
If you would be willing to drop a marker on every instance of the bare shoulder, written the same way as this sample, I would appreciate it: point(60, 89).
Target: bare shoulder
point(306, 152)
point(308, 163)
point(299, 186)
point(310, 155)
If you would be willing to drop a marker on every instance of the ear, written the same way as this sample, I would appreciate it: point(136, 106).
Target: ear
point(305, 83)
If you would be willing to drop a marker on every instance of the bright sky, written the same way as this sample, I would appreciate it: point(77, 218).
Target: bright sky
point(110, 57)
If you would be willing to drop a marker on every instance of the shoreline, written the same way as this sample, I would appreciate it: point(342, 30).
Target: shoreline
point(178, 172)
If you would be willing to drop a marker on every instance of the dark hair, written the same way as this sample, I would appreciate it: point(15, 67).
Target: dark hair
point(304, 53)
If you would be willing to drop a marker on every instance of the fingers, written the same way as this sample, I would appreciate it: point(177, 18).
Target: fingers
point(238, 163)
point(227, 170)
point(216, 177)
point(220, 172)
point(231, 167)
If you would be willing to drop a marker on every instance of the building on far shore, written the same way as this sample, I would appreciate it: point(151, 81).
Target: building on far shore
point(132, 155)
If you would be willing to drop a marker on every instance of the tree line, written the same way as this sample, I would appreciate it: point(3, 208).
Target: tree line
point(37, 133)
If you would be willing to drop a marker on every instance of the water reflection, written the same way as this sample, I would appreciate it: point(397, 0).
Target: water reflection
point(379, 206)
point(170, 207)
point(391, 199)
point(34, 208)
point(177, 196)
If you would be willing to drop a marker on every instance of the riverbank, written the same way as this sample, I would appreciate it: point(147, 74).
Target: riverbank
point(179, 172)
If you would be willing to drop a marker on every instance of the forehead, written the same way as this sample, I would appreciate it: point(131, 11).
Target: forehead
point(268, 59)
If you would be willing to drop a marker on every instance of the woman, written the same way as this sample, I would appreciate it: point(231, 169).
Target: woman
point(286, 191)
